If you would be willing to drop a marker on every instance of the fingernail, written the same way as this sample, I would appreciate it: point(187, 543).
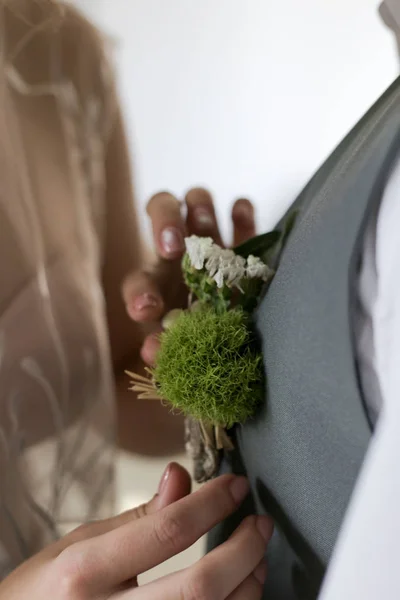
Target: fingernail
point(239, 489)
point(144, 301)
point(203, 218)
point(264, 526)
point(260, 573)
point(172, 241)
point(164, 480)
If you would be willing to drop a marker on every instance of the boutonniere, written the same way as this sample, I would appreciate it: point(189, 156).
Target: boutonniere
point(209, 366)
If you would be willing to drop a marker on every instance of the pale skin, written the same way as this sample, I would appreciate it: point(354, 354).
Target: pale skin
point(102, 560)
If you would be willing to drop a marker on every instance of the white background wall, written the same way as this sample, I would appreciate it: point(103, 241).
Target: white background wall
point(244, 96)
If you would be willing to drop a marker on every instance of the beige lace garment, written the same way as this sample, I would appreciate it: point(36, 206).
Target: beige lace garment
point(56, 387)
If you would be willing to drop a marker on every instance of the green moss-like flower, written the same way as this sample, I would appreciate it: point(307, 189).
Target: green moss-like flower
point(207, 367)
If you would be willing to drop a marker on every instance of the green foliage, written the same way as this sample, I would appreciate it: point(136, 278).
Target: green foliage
point(252, 289)
point(204, 287)
point(208, 368)
point(257, 246)
point(268, 246)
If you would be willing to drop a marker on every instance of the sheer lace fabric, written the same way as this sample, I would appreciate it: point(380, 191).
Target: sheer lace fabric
point(56, 387)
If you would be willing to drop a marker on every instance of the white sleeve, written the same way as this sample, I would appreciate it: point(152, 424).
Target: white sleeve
point(366, 561)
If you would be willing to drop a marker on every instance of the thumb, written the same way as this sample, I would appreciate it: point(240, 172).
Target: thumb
point(174, 485)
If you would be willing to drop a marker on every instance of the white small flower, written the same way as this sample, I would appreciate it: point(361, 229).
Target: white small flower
point(222, 265)
point(256, 269)
point(231, 269)
point(214, 259)
point(198, 249)
point(237, 270)
point(219, 279)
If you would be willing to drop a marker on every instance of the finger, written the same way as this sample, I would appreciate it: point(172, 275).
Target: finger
point(251, 589)
point(136, 547)
point(201, 219)
point(244, 226)
point(148, 294)
point(224, 569)
point(168, 225)
point(150, 348)
point(175, 484)
point(166, 588)
point(142, 297)
point(235, 570)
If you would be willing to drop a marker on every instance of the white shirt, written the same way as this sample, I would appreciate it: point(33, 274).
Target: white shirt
point(366, 561)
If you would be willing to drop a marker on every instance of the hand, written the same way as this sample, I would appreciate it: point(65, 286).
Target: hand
point(101, 560)
point(150, 293)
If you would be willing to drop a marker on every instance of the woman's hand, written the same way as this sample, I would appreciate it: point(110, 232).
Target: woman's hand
point(149, 293)
point(101, 560)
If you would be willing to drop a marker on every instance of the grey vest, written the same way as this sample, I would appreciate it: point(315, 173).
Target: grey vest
point(304, 450)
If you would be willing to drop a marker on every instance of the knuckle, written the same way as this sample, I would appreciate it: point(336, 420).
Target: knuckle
point(199, 585)
point(169, 531)
point(73, 573)
point(130, 279)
